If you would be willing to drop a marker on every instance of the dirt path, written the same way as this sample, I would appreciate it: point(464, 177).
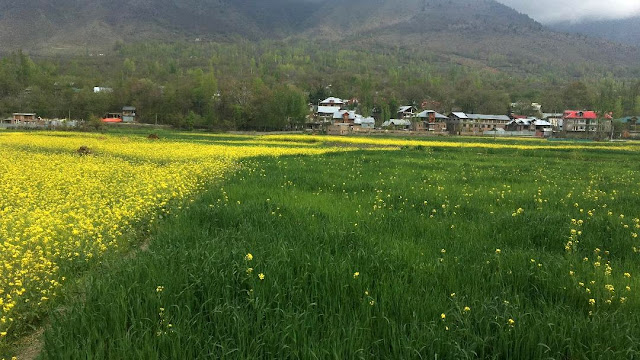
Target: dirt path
point(30, 347)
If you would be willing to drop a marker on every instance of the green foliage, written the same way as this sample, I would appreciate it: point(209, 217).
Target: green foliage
point(94, 123)
point(237, 85)
point(363, 252)
point(578, 96)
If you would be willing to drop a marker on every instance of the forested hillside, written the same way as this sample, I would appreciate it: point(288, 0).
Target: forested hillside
point(255, 64)
point(262, 85)
point(470, 32)
point(626, 31)
point(77, 26)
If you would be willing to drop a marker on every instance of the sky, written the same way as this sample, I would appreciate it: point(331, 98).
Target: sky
point(549, 11)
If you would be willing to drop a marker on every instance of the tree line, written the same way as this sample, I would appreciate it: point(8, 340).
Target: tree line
point(268, 85)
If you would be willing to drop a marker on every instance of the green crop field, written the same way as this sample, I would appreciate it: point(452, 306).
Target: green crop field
point(435, 250)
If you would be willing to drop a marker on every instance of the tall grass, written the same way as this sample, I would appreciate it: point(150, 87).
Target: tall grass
point(453, 254)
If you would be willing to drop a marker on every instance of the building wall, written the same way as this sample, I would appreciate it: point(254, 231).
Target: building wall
point(23, 117)
point(338, 130)
point(586, 125)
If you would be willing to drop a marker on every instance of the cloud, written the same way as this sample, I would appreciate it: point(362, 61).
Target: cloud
point(549, 11)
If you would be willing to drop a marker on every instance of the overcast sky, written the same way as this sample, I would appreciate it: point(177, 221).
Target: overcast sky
point(575, 10)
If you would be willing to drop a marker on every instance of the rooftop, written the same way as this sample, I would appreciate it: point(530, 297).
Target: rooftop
point(328, 109)
point(425, 114)
point(332, 100)
point(576, 114)
point(396, 122)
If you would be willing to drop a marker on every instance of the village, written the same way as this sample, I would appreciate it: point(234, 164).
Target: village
point(335, 116)
point(332, 116)
point(33, 121)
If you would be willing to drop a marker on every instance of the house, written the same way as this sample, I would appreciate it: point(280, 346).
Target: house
point(630, 122)
point(102, 89)
point(365, 123)
point(22, 118)
point(128, 114)
point(519, 125)
point(333, 102)
point(406, 112)
point(346, 117)
point(584, 122)
point(397, 124)
point(630, 126)
point(353, 119)
point(460, 122)
point(326, 112)
point(339, 129)
point(431, 121)
point(555, 119)
point(542, 128)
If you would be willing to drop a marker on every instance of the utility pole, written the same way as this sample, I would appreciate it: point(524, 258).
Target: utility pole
point(611, 129)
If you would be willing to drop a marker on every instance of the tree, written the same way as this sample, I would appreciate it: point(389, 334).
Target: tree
point(618, 109)
point(393, 108)
point(385, 114)
point(129, 67)
point(636, 107)
point(577, 96)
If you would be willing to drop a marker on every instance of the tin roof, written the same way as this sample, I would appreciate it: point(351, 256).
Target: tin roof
point(396, 122)
point(488, 117)
point(329, 110)
point(460, 115)
point(339, 114)
point(332, 100)
point(425, 114)
point(368, 120)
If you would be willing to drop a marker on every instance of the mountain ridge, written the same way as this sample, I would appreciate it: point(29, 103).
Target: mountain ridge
point(624, 31)
point(485, 32)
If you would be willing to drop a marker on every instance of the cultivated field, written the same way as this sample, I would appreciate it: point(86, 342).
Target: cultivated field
point(211, 246)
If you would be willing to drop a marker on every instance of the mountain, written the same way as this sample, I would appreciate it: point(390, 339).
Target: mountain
point(43, 25)
point(481, 33)
point(625, 31)
point(421, 16)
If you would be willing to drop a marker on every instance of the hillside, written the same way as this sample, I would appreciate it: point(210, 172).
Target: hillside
point(45, 26)
point(625, 31)
point(480, 33)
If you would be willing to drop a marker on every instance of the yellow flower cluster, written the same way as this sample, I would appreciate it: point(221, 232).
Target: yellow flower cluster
point(60, 210)
point(488, 144)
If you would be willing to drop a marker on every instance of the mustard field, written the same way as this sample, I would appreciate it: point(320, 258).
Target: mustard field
point(293, 246)
point(60, 211)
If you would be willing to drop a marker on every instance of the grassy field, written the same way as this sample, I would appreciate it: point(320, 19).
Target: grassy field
point(311, 248)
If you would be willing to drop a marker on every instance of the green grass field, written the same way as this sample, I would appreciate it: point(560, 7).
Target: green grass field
point(421, 253)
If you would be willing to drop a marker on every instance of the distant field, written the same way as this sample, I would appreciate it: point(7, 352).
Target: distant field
point(216, 246)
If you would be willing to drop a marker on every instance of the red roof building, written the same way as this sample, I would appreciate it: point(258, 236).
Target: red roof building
point(574, 114)
point(584, 121)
